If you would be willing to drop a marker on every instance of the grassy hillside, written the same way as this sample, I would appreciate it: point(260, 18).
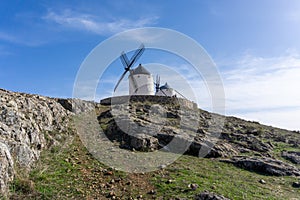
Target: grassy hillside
point(70, 172)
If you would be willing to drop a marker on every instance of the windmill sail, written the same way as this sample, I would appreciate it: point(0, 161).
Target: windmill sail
point(157, 83)
point(163, 92)
point(128, 63)
point(137, 55)
point(124, 60)
point(120, 80)
point(180, 94)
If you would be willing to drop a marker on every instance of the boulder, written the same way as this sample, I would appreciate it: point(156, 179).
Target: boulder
point(263, 165)
point(292, 156)
point(143, 142)
point(210, 150)
point(209, 196)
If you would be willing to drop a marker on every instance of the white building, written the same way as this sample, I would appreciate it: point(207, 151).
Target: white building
point(140, 81)
point(165, 90)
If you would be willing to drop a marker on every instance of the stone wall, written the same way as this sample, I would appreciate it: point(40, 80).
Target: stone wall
point(163, 100)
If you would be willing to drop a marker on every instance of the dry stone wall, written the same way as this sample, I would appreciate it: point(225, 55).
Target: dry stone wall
point(162, 100)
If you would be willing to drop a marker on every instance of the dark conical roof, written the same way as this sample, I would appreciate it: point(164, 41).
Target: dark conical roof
point(140, 70)
point(165, 86)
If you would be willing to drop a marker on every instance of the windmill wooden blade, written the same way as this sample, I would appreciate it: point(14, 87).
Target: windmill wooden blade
point(157, 80)
point(120, 80)
point(137, 55)
point(180, 94)
point(124, 60)
point(163, 92)
point(157, 83)
point(127, 64)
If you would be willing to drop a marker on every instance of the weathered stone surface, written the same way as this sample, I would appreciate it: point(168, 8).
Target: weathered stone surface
point(264, 165)
point(210, 150)
point(199, 128)
point(6, 168)
point(26, 122)
point(162, 127)
point(209, 196)
point(292, 156)
point(143, 142)
point(247, 141)
point(76, 105)
point(208, 134)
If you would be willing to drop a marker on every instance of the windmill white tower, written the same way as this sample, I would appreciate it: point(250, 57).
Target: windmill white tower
point(140, 81)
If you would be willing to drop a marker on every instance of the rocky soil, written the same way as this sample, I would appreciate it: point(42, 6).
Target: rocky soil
point(32, 124)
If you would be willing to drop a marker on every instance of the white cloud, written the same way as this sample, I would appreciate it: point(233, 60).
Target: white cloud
point(95, 24)
point(284, 118)
point(265, 89)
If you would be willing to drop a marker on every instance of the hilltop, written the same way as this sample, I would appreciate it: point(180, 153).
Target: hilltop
point(42, 156)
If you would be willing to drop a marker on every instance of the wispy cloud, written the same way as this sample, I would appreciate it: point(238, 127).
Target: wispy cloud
point(261, 86)
point(21, 39)
point(41, 28)
point(95, 24)
point(7, 37)
point(4, 51)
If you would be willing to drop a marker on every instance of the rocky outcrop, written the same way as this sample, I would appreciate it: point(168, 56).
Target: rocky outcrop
point(28, 124)
point(209, 196)
point(264, 165)
point(149, 127)
point(221, 149)
point(76, 106)
point(292, 156)
point(143, 127)
point(146, 123)
point(6, 168)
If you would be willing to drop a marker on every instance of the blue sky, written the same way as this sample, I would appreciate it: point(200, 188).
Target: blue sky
point(254, 43)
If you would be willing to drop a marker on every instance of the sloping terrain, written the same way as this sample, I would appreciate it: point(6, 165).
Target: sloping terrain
point(246, 144)
point(42, 157)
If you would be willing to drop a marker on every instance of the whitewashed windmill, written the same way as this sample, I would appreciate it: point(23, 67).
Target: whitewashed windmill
point(140, 79)
point(165, 90)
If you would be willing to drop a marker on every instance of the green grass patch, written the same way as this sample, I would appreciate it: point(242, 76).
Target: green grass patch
point(220, 178)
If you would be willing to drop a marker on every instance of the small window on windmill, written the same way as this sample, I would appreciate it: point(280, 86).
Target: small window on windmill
point(138, 76)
